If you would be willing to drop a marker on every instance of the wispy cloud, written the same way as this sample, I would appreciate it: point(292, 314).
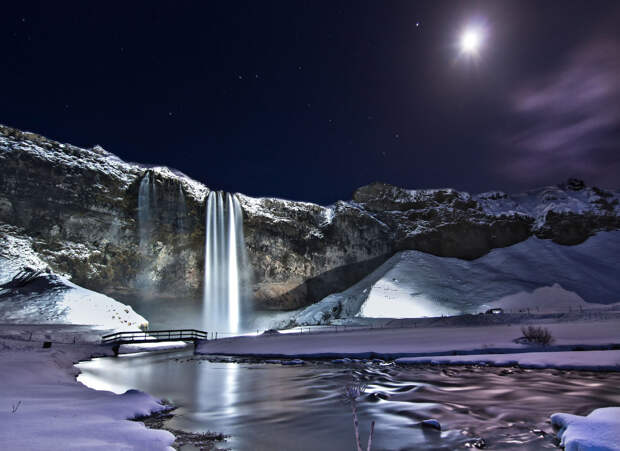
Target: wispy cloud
point(570, 120)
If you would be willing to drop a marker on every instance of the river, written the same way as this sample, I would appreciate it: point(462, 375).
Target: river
point(277, 407)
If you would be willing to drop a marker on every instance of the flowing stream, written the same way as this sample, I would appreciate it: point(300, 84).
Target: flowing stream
point(276, 407)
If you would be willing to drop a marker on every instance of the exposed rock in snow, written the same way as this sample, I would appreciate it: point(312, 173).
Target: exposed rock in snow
point(599, 431)
point(432, 423)
point(534, 274)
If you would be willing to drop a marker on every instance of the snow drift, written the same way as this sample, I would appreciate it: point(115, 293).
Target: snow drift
point(30, 293)
point(536, 274)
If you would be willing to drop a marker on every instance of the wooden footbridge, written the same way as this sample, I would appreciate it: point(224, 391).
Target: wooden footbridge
point(152, 336)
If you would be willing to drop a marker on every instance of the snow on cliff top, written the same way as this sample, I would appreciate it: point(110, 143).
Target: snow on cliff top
point(282, 210)
point(558, 199)
point(573, 198)
point(95, 159)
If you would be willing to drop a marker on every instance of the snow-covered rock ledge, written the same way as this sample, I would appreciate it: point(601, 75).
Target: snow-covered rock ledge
point(599, 431)
point(44, 407)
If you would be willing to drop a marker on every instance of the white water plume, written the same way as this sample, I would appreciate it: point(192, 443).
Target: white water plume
point(225, 262)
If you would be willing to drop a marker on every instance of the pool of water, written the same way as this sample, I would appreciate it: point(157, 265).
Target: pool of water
point(277, 407)
point(187, 313)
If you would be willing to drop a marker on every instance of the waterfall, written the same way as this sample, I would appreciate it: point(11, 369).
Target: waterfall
point(181, 210)
point(225, 261)
point(146, 201)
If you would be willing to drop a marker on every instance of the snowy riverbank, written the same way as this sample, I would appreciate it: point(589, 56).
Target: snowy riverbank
point(44, 407)
point(417, 342)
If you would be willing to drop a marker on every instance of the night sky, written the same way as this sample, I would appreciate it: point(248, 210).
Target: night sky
point(310, 100)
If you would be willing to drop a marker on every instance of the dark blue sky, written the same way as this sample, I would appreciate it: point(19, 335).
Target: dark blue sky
point(310, 100)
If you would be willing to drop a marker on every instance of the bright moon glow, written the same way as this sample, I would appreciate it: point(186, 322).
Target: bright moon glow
point(470, 41)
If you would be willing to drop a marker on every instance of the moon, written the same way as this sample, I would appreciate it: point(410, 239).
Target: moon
point(471, 39)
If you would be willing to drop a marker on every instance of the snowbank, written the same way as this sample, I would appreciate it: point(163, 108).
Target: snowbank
point(414, 342)
point(46, 408)
point(30, 293)
point(535, 274)
point(599, 431)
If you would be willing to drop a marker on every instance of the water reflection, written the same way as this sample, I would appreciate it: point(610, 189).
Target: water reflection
point(267, 406)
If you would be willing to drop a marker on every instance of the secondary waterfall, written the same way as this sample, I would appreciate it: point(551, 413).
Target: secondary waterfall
point(146, 201)
point(225, 261)
point(181, 210)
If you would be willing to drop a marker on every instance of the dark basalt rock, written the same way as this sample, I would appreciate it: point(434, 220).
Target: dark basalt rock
point(81, 208)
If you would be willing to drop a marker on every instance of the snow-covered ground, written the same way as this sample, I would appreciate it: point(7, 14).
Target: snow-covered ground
point(419, 341)
point(599, 431)
point(44, 407)
point(535, 274)
point(568, 360)
point(42, 297)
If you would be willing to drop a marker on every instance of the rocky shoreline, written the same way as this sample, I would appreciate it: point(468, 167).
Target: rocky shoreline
point(203, 441)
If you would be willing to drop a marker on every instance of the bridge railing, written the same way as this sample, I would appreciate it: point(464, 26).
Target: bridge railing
point(155, 335)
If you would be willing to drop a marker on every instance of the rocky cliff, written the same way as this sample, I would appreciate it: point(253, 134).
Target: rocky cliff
point(81, 209)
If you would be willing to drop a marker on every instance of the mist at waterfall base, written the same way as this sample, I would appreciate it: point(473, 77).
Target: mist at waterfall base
point(225, 303)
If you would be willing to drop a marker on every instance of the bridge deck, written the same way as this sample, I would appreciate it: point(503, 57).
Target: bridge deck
point(154, 336)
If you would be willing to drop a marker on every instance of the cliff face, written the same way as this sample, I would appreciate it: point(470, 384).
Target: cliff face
point(80, 206)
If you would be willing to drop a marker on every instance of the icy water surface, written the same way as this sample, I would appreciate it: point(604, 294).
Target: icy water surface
point(276, 407)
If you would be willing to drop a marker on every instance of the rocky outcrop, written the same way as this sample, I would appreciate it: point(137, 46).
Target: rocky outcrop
point(31, 293)
point(81, 208)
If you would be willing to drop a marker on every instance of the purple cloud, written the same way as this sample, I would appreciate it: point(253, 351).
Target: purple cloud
point(572, 121)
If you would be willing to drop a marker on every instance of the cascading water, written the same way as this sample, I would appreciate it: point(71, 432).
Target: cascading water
point(146, 200)
point(225, 262)
point(181, 210)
